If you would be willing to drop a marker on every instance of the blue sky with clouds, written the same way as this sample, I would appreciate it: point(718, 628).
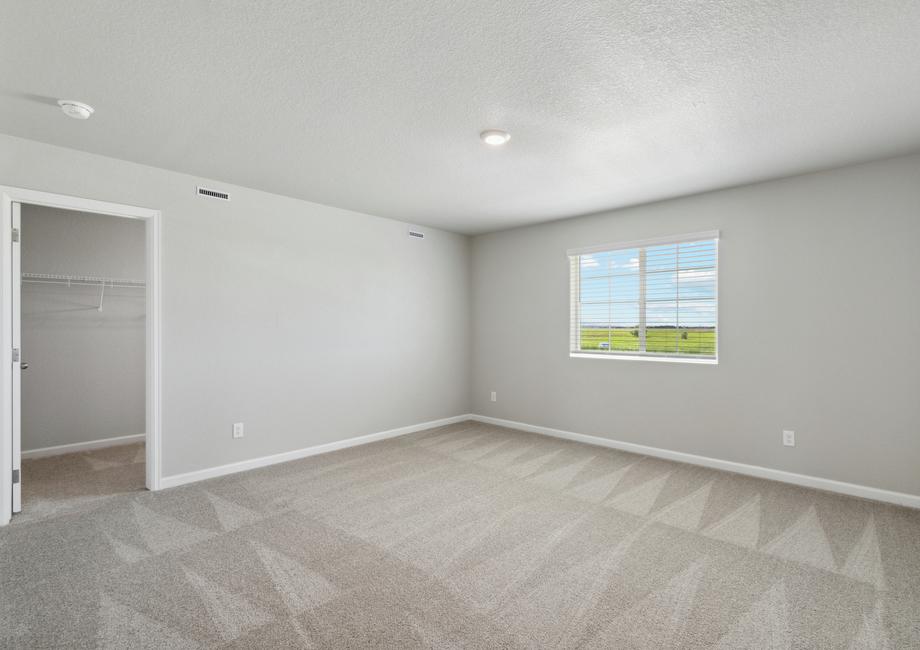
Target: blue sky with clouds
point(680, 286)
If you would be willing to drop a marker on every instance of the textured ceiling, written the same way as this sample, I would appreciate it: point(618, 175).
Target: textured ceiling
point(377, 106)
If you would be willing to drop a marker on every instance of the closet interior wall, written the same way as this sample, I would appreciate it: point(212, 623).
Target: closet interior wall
point(84, 342)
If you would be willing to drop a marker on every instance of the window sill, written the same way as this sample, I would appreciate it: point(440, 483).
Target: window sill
point(644, 357)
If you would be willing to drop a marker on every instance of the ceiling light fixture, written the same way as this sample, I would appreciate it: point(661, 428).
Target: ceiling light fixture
point(494, 137)
point(76, 110)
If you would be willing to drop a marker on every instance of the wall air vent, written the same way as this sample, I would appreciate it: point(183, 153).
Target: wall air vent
point(417, 234)
point(214, 194)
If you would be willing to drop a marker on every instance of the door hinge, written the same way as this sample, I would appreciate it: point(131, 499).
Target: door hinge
point(15, 235)
point(15, 476)
point(15, 355)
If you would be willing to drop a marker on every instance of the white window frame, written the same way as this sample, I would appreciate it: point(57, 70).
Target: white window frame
point(574, 342)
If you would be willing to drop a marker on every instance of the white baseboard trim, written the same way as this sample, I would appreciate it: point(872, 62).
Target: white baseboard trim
point(804, 480)
point(264, 461)
point(83, 446)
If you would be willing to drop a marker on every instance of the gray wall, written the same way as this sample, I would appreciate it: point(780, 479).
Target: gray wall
point(819, 312)
point(86, 373)
point(310, 324)
point(313, 324)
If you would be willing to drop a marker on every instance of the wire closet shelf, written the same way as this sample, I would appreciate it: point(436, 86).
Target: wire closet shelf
point(84, 280)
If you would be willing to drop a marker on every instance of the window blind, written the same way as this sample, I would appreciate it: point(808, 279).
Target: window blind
point(654, 298)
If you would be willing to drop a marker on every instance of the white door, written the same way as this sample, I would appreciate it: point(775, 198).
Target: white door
point(18, 365)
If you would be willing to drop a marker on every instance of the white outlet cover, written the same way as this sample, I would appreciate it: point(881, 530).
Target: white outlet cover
point(494, 396)
point(238, 430)
point(789, 438)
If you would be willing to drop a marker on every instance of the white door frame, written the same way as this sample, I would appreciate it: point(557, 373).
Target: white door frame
point(10, 195)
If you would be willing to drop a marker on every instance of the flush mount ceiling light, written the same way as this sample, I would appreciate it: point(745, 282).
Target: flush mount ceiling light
point(494, 137)
point(76, 110)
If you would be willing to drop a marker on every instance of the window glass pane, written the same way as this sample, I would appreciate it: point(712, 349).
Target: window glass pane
point(697, 284)
point(697, 340)
point(594, 264)
point(661, 286)
point(697, 320)
point(697, 254)
point(624, 322)
point(697, 273)
point(625, 288)
point(661, 258)
point(595, 338)
point(624, 315)
point(595, 326)
point(624, 262)
point(595, 315)
point(661, 327)
point(595, 290)
point(661, 314)
point(697, 313)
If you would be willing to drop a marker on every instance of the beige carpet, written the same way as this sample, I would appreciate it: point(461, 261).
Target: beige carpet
point(469, 536)
point(70, 483)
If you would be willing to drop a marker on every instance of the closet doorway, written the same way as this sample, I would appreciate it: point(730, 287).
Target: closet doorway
point(80, 400)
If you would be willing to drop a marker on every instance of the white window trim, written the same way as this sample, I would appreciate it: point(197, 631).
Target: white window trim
point(672, 358)
point(575, 291)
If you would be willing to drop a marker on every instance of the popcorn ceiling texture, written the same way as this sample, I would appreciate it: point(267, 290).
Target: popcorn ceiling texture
point(377, 107)
point(467, 536)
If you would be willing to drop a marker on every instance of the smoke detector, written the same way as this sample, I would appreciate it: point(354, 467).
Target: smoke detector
point(76, 110)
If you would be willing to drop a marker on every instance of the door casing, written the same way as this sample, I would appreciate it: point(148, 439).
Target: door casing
point(152, 218)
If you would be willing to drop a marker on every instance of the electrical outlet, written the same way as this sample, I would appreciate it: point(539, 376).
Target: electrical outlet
point(238, 430)
point(789, 438)
point(494, 396)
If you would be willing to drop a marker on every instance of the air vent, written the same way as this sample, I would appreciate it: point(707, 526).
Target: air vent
point(214, 194)
point(417, 234)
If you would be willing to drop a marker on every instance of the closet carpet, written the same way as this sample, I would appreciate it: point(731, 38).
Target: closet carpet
point(466, 536)
point(70, 483)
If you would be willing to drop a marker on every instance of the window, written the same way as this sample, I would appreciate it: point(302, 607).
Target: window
point(653, 298)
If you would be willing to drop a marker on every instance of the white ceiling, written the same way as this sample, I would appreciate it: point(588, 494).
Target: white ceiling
point(377, 106)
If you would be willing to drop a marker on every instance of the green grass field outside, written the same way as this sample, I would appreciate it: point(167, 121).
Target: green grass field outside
point(660, 340)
